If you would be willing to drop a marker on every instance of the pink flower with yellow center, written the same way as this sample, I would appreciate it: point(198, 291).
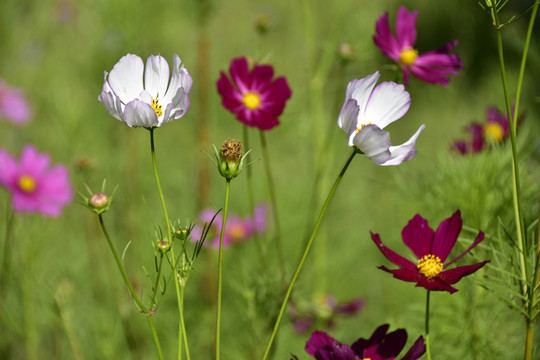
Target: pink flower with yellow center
point(34, 185)
point(253, 95)
point(431, 250)
point(433, 66)
point(13, 105)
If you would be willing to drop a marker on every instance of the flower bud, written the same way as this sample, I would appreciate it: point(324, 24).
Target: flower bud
point(163, 246)
point(230, 159)
point(346, 52)
point(263, 23)
point(182, 233)
point(99, 200)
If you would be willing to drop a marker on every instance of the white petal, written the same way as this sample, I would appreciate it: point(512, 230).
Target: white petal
point(348, 116)
point(405, 151)
point(140, 114)
point(156, 76)
point(109, 100)
point(180, 79)
point(374, 143)
point(388, 102)
point(361, 90)
point(126, 77)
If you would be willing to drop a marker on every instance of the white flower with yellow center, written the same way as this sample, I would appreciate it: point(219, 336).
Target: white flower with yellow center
point(146, 97)
point(367, 110)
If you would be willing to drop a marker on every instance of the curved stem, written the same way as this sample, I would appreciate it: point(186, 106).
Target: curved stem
point(156, 284)
point(220, 268)
point(428, 347)
point(306, 252)
point(271, 189)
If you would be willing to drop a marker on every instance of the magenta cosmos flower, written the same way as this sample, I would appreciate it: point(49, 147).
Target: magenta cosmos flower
point(367, 110)
point(493, 132)
point(380, 346)
point(237, 229)
point(13, 105)
point(432, 250)
point(34, 185)
point(433, 67)
point(157, 101)
point(253, 95)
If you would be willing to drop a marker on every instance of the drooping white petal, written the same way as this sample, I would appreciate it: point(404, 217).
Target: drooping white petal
point(140, 114)
point(156, 76)
point(180, 78)
point(109, 100)
point(388, 102)
point(348, 116)
point(374, 143)
point(405, 151)
point(126, 78)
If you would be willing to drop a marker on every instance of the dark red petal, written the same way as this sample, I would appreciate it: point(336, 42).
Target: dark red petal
point(274, 96)
point(350, 307)
point(231, 98)
point(318, 339)
point(452, 276)
point(377, 337)
point(418, 236)
point(477, 241)
point(435, 284)
point(260, 77)
point(391, 255)
point(240, 74)
point(336, 352)
point(446, 236)
point(416, 351)
point(393, 343)
point(404, 274)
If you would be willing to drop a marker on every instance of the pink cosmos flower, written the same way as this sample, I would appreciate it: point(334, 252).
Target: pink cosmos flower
point(433, 67)
point(253, 95)
point(380, 346)
point(34, 185)
point(493, 132)
point(237, 230)
point(431, 249)
point(13, 105)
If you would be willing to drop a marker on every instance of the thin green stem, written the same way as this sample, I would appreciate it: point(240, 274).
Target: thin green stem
point(6, 256)
point(182, 324)
point(428, 347)
point(220, 268)
point(271, 189)
point(518, 213)
point(156, 284)
point(132, 292)
point(306, 252)
point(179, 301)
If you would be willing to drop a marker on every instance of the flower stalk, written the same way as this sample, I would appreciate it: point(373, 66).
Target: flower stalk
point(428, 346)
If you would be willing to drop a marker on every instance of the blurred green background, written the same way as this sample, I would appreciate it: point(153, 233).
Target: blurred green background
point(65, 298)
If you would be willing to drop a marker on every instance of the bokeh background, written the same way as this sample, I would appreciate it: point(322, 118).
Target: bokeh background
point(65, 298)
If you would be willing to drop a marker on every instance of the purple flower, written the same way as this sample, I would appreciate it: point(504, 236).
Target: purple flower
point(367, 110)
point(253, 95)
point(13, 105)
point(34, 185)
point(432, 250)
point(380, 346)
point(324, 309)
point(493, 132)
point(433, 67)
point(153, 104)
point(237, 229)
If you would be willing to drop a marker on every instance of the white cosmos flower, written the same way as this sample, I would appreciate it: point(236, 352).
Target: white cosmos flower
point(152, 104)
point(367, 110)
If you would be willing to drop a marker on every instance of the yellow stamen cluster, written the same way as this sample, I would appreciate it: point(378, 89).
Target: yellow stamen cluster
point(251, 100)
point(494, 132)
point(430, 266)
point(408, 56)
point(157, 107)
point(27, 184)
point(361, 126)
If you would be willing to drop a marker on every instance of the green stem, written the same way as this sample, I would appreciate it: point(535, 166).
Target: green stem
point(156, 284)
point(428, 347)
point(182, 324)
point(132, 292)
point(518, 214)
point(173, 258)
point(306, 252)
point(271, 189)
point(6, 256)
point(220, 268)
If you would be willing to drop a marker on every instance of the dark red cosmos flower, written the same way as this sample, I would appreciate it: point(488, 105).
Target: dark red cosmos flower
point(493, 132)
point(431, 249)
point(380, 346)
point(253, 95)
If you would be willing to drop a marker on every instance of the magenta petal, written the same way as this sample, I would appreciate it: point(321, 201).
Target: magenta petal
point(260, 77)
point(391, 255)
point(416, 351)
point(351, 307)
point(404, 274)
point(406, 27)
point(377, 337)
point(317, 340)
point(239, 71)
point(446, 236)
point(435, 284)
point(452, 276)
point(384, 38)
point(418, 236)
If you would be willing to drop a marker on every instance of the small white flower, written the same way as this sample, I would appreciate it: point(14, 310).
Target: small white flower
point(367, 110)
point(152, 104)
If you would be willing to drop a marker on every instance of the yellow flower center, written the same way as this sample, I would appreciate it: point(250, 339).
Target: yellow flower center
point(408, 55)
point(361, 126)
point(157, 107)
point(27, 184)
point(251, 100)
point(237, 232)
point(494, 132)
point(430, 266)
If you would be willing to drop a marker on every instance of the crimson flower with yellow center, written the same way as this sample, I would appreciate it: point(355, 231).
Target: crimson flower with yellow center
point(433, 66)
point(431, 248)
point(253, 95)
